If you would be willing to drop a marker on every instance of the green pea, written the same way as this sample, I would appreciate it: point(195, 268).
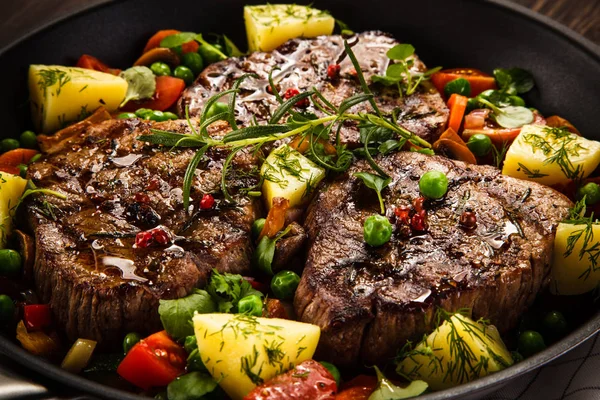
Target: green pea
point(158, 116)
point(7, 308)
point(144, 113)
point(472, 104)
point(530, 342)
point(10, 262)
point(251, 305)
point(554, 326)
point(333, 371)
point(210, 53)
point(591, 191)
point(194, 62)
point(9, 144)
point(480, 144)
point(433, 184)
point(183, 72)
point(284, 284)
point(377, 230)
point(169, 115)
point(130, 340)
point(23, 170)
point(126, 115)
point(28, 140)
point(257, 227)
point(217, 108)
point(160, 69)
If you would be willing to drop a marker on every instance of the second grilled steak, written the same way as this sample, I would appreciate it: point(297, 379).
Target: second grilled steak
point(303, 65)
point(370, 301)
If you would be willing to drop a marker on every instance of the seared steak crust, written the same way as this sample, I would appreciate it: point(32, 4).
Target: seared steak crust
point(303, 65)
point(98, 284)
point(370, 301)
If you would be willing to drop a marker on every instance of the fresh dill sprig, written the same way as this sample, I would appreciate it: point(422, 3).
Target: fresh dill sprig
point(590, 248)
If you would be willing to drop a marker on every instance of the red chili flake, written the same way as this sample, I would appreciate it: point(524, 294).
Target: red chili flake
point(141, 197)
point(207, 202)
point(353, 72)
point(419, 221)
point(468, 219)
point(143, 239)
point(153, 184)
point(403, 214)
point(418, 203)
point(291, 92)
point(333, 71)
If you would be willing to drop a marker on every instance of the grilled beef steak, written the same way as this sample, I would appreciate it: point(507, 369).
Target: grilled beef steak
point(98, 283)
point(369, 301)
point(303, 65)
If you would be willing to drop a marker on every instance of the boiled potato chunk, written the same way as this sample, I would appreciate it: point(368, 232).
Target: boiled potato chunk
point(11, 189)
point(572, 274)
point(458, 351)
point(538, 153)
point(271, 25)
point(60, 95)
point(242, 351)
point(290, 175)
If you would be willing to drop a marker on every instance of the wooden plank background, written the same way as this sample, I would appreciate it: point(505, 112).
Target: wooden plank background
point(20, 16)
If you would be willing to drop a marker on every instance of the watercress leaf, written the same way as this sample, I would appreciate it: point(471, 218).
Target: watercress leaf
point(176, 315)
point(385, 80)
point(400, 52)
point(352, 101)
point(395, 71)
point(388, 146)
point(177, 39)
point(386, 390)
point(191, 386)
point(514, 80)
point(265, 251)
point(227, 290)
point(459, 86)
point(376, 183)
point(140, 83)
point(513, 117)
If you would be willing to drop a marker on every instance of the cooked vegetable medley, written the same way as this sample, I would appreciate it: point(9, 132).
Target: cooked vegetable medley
point(253, 208)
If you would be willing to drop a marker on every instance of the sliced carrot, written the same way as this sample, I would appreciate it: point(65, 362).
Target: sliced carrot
point(558, 122)
point(276, 218)
point(17, 156)
point(458, 106)
point(154, 41)
point(479, 81)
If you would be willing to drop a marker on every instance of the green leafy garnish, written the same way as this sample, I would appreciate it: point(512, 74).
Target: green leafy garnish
point(176, 315)
point(228, 289)
point(459, 86)
point(510, 117)
point(514, 80)
point(386, 390)
point(141, 83)
point(179, 39)
point(193, 385)
point(376, 183)
point(265, 251)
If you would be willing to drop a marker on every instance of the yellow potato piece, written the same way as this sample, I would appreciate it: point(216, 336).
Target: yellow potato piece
point(290, 175)
point(11, 190)
point(480, 346)
point(539, 151)
point(573, 272)
point(271, 25)
point(61, 95)
point(241, 351)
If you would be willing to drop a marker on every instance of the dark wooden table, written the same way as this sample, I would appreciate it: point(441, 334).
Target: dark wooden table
point(19, 16)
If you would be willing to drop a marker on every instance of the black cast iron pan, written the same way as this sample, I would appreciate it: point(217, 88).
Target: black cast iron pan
point(473, 33)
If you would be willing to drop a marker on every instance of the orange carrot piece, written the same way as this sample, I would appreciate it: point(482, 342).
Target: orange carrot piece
point(458, 106)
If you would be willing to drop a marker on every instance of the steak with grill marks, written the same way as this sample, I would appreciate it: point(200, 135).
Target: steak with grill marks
point(369, 301)
point(303, 65)
point(98, 284)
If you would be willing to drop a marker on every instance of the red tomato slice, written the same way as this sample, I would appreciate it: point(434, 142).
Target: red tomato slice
point(9, 169)
point(359, 388)
point(17, 156)
point(168, 90)
point(480, 81)
point(89, 62)
point(37, 316)
point(154, 361)
point(154, 41)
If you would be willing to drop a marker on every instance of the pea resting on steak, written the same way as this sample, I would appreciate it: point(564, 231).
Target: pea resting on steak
point(369, 301)
point(122, 240)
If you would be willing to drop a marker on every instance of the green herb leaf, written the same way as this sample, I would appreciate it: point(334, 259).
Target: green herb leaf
point(386, 390)
point(388, 146)
point(188, 178)
point(459, 86)
point(400, 52)
point(352, 101)
point(376, 183)
point(171, 139)
point(177, 39)
point(251, 132)
point(265, 251)
point(191, 386)
point(227, 290)
point(287, 105)
point(344, 28)
point(513, 117)
point(514, 80)
point(141, 83)
point(176, 315)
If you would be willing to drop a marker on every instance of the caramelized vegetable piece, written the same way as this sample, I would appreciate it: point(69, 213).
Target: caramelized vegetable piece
point(558, 122)
point(359, 388)
point(302, 144)
point(452, 146)
point(79, 355)
point(276, 218)
point(89, 62)
point(37, 343)
point(308, 380)
point(159, 54)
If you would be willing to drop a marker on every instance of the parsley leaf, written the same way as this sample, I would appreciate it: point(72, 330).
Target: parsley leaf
point(176, 315)
point(140, 83)
point(228, 289)
point(376, 183)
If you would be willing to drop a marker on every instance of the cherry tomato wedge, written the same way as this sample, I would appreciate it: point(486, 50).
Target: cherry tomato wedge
point(90, 62)
point(359, 388)
point(480, 81)
point(168, 90)
point(154, 41)
point(154, 361)
point(17, 156)
point(37, 316)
